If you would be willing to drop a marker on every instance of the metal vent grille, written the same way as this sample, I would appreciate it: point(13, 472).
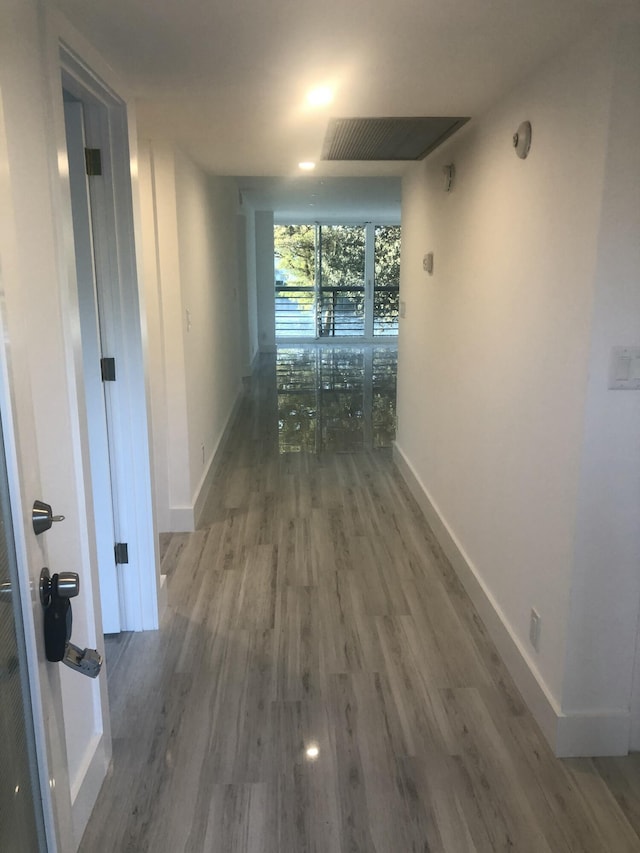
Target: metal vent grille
point(387, 138)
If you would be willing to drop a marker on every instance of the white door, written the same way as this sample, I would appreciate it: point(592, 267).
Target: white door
point(21, 816)
point(38, 683)
point(92, 353)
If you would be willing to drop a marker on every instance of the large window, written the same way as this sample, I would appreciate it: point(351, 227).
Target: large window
point(336, 280)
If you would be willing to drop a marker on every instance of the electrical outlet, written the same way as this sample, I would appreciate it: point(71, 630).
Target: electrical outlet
point(534, 628)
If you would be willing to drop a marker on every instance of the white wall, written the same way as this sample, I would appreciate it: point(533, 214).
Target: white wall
point(265, 280)
point(191, 237)
point(494, 355)
point(165, 336)
point(606, 577)
point(209, 275)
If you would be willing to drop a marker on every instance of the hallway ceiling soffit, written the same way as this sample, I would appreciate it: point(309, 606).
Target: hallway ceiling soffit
point(226, 81)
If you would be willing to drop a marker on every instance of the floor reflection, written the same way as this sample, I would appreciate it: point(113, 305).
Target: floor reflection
point(336, 398)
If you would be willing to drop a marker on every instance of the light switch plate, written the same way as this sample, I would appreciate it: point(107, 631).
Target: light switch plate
point(624, 370)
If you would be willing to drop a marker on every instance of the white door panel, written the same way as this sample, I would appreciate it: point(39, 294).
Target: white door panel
point(91, 354)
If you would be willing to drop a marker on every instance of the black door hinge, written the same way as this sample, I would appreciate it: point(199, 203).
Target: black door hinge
point(93, 161)
point(121, 550)
point(108, 369)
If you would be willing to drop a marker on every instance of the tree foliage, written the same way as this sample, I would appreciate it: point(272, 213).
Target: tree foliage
point(295, 250)
point(341, 249)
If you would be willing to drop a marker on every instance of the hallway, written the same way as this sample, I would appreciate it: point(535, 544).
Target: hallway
point(320, 681)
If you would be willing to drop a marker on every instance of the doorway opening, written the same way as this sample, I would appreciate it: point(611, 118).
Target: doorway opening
point(113, 369)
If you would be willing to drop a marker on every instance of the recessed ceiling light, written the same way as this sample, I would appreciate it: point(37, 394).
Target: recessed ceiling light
point(307, 165)
point(320, 96)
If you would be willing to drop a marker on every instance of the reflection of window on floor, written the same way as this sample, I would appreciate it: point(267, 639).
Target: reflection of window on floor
point(336, 398)
point(336, 280)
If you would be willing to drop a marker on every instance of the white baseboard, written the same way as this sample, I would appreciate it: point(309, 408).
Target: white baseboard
point(601, 733)
point(163, 597)
point(204, 487)
point(181, 520)
point(569, 734)
point(84, 791)
point(249, 368)
point(185, 519)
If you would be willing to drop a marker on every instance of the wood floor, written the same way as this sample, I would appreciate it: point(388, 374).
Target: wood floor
point(316, 611)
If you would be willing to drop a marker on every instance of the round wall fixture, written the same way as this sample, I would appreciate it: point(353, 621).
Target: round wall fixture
point(522, 140)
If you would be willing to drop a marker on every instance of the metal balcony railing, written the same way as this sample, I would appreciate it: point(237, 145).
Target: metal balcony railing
point(335, 312)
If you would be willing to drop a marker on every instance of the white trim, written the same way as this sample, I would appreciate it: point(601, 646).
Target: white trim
point(130, 464)
point(604, 732)
point(204, 487)
point(163, 597)
point(634, 733)
point(85, 788)
point(181, 519)
point(186, 519)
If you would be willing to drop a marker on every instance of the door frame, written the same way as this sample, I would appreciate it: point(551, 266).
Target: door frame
point(108, 128)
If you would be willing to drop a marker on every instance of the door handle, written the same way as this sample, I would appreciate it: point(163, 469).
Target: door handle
point(56, 592)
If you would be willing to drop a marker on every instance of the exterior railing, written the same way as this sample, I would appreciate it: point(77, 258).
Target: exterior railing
point(338, 311)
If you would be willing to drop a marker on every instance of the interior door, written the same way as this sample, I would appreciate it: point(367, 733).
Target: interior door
point(92, 352)
point(21, 816)
point(25, 674)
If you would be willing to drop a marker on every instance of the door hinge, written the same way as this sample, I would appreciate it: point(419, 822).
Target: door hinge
point(93, 161)
point(108, 369)
point(121, 550)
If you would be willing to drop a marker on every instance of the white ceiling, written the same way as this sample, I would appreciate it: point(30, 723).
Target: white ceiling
point(226, 79)
point(325, 199)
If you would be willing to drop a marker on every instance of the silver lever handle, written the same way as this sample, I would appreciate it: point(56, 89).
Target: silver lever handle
point(42, 517)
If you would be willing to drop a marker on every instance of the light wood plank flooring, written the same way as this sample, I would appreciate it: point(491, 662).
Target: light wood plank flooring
point(315, 610)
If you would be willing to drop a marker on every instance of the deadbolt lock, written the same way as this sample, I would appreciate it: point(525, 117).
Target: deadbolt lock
point(42, 517)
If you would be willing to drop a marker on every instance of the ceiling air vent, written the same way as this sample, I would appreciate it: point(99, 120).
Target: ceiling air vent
point(386, 138)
